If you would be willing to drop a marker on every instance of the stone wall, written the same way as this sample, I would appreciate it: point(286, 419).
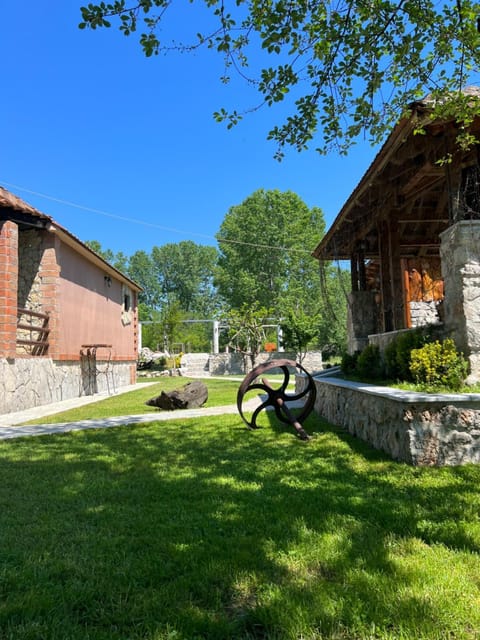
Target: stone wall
point(382, 340)
point(236, 364)
point(33, 382)
point(424, 313)
point(460, 253)
point(420, 429)
point(361, 319)
point(29, 281)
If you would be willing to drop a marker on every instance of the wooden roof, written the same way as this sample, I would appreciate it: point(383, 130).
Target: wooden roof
point(408, 185)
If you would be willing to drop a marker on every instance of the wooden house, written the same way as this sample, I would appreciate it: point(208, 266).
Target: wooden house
point(411, 231)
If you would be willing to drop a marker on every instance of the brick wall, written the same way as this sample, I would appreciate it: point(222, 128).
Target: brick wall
point(8, 288)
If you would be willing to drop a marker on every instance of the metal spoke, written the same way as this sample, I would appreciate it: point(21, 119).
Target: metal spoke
point(278, 398)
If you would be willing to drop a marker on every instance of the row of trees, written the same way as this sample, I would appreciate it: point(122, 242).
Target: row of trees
point(263, 266)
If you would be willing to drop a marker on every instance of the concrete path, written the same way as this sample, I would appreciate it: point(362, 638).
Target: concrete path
point(42, 411)
point(103, 423)
point(8, 421)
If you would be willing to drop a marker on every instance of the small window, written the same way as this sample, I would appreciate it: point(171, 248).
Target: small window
point(127, 311)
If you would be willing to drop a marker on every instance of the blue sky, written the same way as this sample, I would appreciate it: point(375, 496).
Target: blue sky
point(86, 119)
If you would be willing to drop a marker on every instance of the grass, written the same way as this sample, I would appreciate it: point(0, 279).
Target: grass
point(204, 530)
point(220, 392)
point(411, 386)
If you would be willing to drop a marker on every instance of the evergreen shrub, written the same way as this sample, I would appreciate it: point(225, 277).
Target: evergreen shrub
point(369, 363)
point(398, 354)
point(348, 364)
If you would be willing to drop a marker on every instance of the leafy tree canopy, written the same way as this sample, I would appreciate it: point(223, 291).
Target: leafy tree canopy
point(347, 67)
point(246, 329)
point(140, 268)
point(299, 330)
point(265, 248)
point(184, 272)
point(118, 260)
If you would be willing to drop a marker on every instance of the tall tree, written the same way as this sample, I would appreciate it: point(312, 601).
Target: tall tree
point(335, 285)
point(118, 260)
point(345, 66)
point(141, 270)
point(265, 251)
point(184, 272)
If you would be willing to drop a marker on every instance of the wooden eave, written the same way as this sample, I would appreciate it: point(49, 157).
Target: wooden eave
point(405, 186)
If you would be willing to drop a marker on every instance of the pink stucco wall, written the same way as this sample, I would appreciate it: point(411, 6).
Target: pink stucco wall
point(90, 308)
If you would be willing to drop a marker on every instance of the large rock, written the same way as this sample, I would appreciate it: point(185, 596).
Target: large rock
point(192, 395)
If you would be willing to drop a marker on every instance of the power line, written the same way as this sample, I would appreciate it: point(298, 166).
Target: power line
point(103, 213)
point(151, 224)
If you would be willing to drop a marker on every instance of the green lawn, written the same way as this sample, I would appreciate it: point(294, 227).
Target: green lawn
point(220, 392)
point(204, 530)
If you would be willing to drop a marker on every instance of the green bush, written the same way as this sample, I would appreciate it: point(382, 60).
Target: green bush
point(398, 354)
point(438, 365)
point(369, 363)
point(348, 364)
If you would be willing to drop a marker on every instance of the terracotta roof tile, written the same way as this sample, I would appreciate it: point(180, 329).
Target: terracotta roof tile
point(11, 201)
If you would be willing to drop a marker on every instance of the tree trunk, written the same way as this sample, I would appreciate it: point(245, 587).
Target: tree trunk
point(194, 394)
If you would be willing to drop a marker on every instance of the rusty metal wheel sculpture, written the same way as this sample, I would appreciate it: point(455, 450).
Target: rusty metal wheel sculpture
point(278, 398)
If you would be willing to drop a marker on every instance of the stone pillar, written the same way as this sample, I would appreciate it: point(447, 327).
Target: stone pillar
point(460, 254)
point(361, 319)
point(8, 288)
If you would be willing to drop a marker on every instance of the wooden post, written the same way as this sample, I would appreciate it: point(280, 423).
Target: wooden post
point(396, 276)
point(385, 285)
point(354, 271)
point(406, 295)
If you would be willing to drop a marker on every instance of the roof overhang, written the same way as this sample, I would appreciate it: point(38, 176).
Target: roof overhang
point(407, 185)
point(14, 208)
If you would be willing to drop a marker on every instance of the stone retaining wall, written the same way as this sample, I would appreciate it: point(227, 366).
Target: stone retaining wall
point(33, 382)
point(420, 429)
point(237, 364)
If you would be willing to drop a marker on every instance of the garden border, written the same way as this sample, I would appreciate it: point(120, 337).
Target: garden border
point(417, 428)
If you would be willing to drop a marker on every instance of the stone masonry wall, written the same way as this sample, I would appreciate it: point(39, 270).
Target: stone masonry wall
point(361, 319)
point(419, 429)
point(33, 382)
point(460, 253)
point(237, 364)
point(29, 258)
point(425, 313)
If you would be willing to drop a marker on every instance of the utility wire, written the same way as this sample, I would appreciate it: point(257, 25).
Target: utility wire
point(151, 224)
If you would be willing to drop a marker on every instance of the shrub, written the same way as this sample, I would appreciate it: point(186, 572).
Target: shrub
point(398, 354)
point(438, 365)
point(348, 364)
point(369, 363)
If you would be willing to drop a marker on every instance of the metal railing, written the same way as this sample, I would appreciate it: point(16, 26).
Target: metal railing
point(32, 331)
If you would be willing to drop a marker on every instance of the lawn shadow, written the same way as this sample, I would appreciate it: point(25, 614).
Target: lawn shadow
point(190, 530)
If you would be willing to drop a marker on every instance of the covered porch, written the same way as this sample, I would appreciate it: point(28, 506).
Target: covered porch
point(411, 232)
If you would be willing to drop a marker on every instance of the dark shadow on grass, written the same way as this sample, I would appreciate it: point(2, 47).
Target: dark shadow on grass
point(186, 531)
